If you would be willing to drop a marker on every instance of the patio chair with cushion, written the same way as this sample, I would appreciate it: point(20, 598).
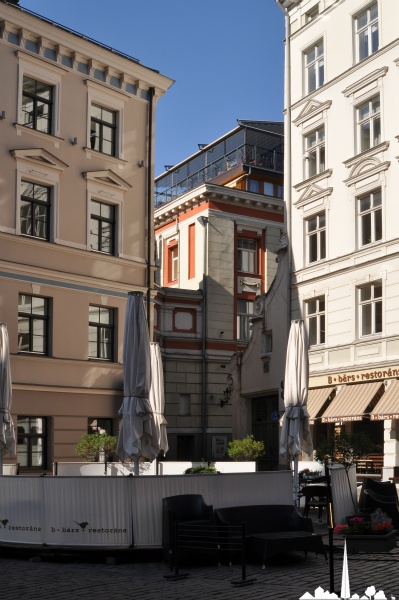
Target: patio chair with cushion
point(380, 494)
point(191, 511)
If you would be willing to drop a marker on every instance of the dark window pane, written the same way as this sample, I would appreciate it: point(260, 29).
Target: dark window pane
point(313, 248)
point(366, 319)
point(378, 225)
point(378, 317)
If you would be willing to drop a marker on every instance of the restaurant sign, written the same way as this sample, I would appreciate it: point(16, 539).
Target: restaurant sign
point(354, 377)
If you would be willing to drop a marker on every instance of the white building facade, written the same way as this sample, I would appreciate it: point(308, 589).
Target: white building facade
point(342, 177)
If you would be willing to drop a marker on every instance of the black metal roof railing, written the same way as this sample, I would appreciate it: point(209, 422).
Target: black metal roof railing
point(244, 155)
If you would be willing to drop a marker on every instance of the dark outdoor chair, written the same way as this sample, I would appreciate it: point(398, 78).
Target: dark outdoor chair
point(380, 494)
point(316, 496)
point(191, 512)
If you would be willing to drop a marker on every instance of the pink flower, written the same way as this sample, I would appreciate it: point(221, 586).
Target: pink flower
point(356, 520)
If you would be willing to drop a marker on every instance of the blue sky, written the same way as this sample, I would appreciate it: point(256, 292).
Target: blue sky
point(226, 57)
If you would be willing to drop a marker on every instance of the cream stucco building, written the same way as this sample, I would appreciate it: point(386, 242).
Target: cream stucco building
point(76, 172)
point(342, 177)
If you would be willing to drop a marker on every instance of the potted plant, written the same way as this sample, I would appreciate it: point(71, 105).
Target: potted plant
point(368, 532)
point(245, 449)
point(199, 470)
point(93, 446)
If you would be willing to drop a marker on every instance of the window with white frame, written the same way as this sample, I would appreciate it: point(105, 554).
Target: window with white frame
point(37, 104)
point(370, 217)
point(33, 324)
point(35, 210)
point(316, 237)
point(370, 308)
point(316, 321)
point(39, 87)
point(315, 152)
point(312, 14)
point(32, 442)
point(244, 312)
point(102, 227)
point(105, 117)
point(103, 129)
point(101, 332)
point(314, 67)
point(246, 255)
point(369, 124)
point(366, 31)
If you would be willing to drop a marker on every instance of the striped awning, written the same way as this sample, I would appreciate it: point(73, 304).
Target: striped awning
point(388, 406)
point(351, 402)
point(316, 401)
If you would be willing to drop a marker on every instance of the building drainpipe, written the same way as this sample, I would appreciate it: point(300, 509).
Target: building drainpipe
point(287, 155)
point(204, 222)
point(151, 93)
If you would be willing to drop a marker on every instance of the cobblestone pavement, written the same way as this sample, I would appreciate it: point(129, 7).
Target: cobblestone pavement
point(286, 577)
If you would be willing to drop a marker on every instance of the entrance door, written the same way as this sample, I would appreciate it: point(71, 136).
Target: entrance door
point(266, 430)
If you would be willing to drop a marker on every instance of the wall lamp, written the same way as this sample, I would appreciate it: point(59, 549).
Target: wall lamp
point(2, 115)
point(227, 394)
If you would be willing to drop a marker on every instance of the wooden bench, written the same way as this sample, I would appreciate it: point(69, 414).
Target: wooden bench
point(271, 529)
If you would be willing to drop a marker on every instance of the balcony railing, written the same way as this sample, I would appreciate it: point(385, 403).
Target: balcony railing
point(244, 155)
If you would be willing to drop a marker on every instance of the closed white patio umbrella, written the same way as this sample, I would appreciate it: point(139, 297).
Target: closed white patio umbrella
point(157, 398)
point(7, 434)
point(137, 438)
point(295, 433)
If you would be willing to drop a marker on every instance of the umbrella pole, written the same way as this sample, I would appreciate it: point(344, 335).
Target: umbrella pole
point(296, 481)
point(1, 461)
point(136, 470)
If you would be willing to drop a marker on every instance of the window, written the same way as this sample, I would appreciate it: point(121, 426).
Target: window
point(103, 129)
point(253, 185)
point(35, 210)
point(102, 227)
point(32, 442)
point(33, 315)
point(370, 304)
point(37, 105)
point(316, 317)
point(99, 426)
point(246, 254)
point(369, 124)
point(191, 251)
point(315, 153)
point(101, 332)
point(272, 189)
point(366, 29)
point(312, 14)
point(316, 237)
point(172, 267)
point(244, 312)
point(370, 218)
point(314, 67)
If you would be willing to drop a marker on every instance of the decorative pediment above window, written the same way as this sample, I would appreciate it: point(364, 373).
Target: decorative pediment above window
point(366, 168)
point(41, 156)
point(311, 193)
point(108, 178)
point(311, 110)
point(366, 164)
point(363, 84)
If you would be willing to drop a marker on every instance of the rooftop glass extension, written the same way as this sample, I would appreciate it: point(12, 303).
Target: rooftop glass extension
point(243, 146)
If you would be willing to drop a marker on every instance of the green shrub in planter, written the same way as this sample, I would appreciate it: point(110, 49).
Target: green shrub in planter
point(246, 449)
point(200, 469)
point(91, 445)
